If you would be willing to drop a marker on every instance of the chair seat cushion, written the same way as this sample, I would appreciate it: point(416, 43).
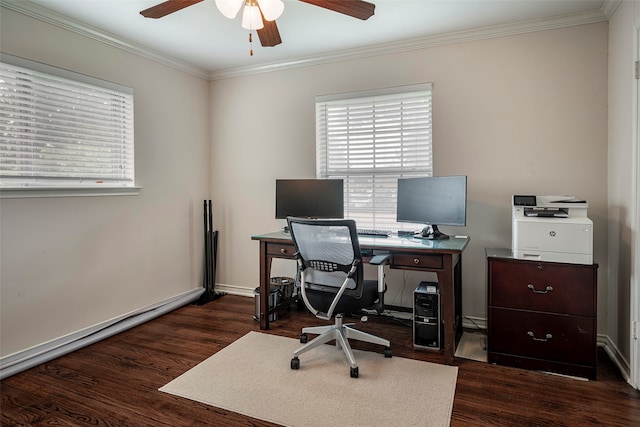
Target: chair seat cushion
point(322, 300)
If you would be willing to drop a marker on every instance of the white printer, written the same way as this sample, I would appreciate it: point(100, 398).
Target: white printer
point(551, 228)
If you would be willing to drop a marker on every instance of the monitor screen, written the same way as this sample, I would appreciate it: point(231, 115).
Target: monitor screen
point(434, 200)
point(309, 198)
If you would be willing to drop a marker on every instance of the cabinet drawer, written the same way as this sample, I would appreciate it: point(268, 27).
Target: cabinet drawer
point(281, 250)
point(417, 261)
point(569, 339)
point(539, 286)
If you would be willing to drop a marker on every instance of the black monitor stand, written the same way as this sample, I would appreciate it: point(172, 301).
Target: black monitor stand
point(431, 232)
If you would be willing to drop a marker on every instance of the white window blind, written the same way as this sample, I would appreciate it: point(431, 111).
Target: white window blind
point(62, 129)
point(370, 139)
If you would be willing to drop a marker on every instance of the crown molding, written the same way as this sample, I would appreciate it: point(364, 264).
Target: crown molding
point(609, 7)
point(522, 27)
point(46, 15)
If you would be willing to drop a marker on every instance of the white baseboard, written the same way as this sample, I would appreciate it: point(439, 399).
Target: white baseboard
point(18, 362)
point(235, 290)
point(616, 357)
point(474, 323)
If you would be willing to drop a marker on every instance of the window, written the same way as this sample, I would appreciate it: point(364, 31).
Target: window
point(370, 139)
point(60, 129)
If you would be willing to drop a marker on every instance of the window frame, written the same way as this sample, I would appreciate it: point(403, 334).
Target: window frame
point(380, 175)
point(16, 187)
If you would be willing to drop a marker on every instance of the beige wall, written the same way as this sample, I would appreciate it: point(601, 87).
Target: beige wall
point(621, 197)
point(67, 264)
point(518, 114)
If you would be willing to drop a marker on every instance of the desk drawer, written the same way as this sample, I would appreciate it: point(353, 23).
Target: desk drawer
point(282, 251)
point(417, 261)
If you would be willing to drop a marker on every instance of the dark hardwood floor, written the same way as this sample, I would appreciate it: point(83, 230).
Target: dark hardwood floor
point(115, 382)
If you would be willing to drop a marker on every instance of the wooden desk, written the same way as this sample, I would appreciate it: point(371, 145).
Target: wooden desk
point(444, 257)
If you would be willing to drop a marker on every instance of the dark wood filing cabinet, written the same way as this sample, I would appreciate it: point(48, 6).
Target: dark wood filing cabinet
point(542, 315)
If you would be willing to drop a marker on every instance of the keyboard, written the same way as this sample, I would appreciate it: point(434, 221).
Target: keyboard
point(371, 232)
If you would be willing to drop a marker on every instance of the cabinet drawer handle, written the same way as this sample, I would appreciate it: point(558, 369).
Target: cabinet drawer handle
point(416, 260)
point(283, 251)
point(545, 339)
point(535, 291)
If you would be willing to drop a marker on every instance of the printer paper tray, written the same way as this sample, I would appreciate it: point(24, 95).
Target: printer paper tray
point(570, 258)
point(559, 240)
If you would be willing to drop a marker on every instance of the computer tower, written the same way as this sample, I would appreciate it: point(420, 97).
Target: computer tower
point(427, 327)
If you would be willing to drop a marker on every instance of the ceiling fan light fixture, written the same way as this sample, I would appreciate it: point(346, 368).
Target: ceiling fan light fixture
point(229, 8)
point(251, 19)
point(271, 9)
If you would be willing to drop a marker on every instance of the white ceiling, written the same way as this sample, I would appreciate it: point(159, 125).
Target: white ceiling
point(204, 39)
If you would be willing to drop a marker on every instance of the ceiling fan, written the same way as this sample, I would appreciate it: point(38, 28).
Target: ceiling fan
point(269, 34)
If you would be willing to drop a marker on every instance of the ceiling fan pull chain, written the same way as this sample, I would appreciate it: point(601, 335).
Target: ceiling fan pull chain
point(250, 44)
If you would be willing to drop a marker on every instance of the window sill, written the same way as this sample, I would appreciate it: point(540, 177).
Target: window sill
point(26, 192)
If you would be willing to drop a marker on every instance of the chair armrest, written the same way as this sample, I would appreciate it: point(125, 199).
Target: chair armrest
point(381, 259)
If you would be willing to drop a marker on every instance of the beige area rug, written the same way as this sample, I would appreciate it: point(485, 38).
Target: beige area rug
point(252, 376)
point(472, 345)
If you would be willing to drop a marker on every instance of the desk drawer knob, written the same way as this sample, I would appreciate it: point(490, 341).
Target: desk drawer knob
point(536, 291)
point(545, 339)
point(416, 260)
point(283, 251)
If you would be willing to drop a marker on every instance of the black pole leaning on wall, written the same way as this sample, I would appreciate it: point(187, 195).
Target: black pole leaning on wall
point(210, 256)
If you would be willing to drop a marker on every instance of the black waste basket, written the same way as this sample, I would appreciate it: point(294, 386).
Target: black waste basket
point(274, 299)
point(280, 290)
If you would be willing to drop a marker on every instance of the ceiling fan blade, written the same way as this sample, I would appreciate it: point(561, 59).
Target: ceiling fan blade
point(169, 6)
point(356, 8)
point(269, 34)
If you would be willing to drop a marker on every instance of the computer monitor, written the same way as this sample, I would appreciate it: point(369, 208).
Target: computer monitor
point(434, 200)
point(309, 198)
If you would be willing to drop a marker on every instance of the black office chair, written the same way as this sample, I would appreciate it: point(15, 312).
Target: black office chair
point(331, 283)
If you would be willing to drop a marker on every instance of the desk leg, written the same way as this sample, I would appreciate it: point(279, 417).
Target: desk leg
point(457, 286)
point(447, 291)
point(265, 275)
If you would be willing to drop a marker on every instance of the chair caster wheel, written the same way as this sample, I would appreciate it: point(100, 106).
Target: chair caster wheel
point(295, 363)
point(387, 352)
point(354, 372)
point(303, 338)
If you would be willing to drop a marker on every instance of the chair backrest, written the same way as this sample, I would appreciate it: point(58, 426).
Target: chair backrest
point(328, 249)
